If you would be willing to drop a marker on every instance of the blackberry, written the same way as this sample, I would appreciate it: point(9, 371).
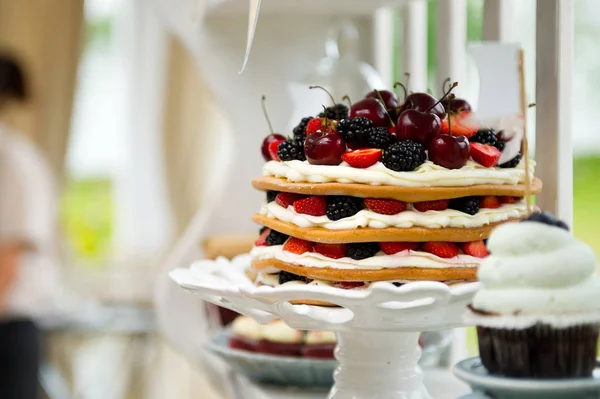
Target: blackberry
point(468, 205)
point(546, 218)
point(404, 156)
point(262, 230)
point(339, 207)
point(362, 250)
point(337, 112)
point(300, 130)
point(290, 150)
point(397, 284)
point(500, 145)
point(355, 131)
point(485, 136)
point(285, 277)
point(276, 238)
point(271, 195)
point(380, 137)
point(513, 162)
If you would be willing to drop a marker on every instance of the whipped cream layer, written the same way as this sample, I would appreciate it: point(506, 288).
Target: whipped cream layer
point(426, 175)
point(537, 270)
point(275, 331)
point(380, 261)
point(405, 219)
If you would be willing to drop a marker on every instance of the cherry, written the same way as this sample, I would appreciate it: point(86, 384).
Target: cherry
point(424, 102)
point(324, 149)
point(451, 152)
point(457, 105)
point(417, 126)
point(264, 148)
point(372, 109)
point(389, 99)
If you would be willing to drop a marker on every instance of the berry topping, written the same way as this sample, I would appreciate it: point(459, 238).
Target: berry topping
point(417, 126)
point(300, 130)
point(264, 148)
point(546, 218)
point(271, 195)
point(441, 249)
point(513, 162)
point(485, 154)
point(276, 238)
point(475, 248)
point(324, 149)
point(351, 284)
point(438, 205)
point(262, 229)
point(490, 202)
point(456, 105)
point(425, 103)
point(287, 199)
point(336, 112)
point(372, 109)
point(505, 199)
point(380, 137)
point(355, 131)
point(362, 158)
point(297, 246)
point(333, 251)
point(404, 156)
point(487, 136)
point(291, 150)
point(385, 206)
point(314, 206)
point(286, 277)
point(451, 152)
point(462, 124)
point(469, 205)
point(390, 248)
point(389, 98)
point(339, 207)
point(362, 250)
point(262, 239)
point(274, 149)
point(320, 125)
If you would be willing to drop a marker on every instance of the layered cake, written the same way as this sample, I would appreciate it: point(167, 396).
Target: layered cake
point(385, 190)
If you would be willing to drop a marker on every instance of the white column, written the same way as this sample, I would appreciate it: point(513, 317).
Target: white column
point(383, 45)
point(451, 44)
point(498, 21)
point(554, 97)
point(414, 44)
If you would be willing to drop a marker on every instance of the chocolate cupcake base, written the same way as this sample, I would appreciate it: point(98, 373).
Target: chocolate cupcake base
point(541, 351)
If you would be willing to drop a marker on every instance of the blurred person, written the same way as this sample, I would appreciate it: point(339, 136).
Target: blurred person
point(27, 228)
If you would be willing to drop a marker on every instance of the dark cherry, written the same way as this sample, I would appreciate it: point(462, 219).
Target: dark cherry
point(423, 102)
point(324, 149)
point(372, 109)
point(264, 148)
point(417, 126)
point(457, 105)
point(451, 152)
point(390, 100)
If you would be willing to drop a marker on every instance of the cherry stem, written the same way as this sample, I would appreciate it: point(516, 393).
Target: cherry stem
point(445, 83)
point(326, 121)
point(403, 88)
point(347, 98)
point(406, 81)
point(449, 124)
point(386, 111)
point(444, 96)
point(325, 90)
point(532, 105)
point(264, 109)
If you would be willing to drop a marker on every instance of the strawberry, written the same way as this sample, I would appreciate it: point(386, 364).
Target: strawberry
point(273, 147)
point(385, 206)
point(461, 124)
point(351, 284)
point(485, 154)
point(438, 205)
point(262, 239)
point(333, 251)
point(317, 124)
point(297, 246)
point(314, 206)
point(475, 248)
point(441, 249)
point(505, 199)
point(362, 158)
point(287, 199)
point(390, 248)
point(489, 201)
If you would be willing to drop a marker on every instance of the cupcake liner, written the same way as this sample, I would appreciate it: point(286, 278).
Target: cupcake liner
point(540, 351)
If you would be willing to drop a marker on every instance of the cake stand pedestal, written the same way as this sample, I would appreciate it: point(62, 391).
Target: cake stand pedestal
point(377, 328)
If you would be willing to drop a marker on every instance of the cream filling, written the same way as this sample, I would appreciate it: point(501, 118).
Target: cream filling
point(406, 219)
point(380, 261)
point(426, 175)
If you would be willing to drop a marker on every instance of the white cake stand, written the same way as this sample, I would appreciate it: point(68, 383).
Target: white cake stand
point(377, 328)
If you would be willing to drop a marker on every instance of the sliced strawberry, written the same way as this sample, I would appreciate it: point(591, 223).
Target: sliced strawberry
point(287, 199)
point(262, 239)
point(362, 158)
point(333, 251)
point(506, 199)
point(485, 154)
point(441, 249)
point(390, 248)
point(439, 205)
point(318, 125)
point(385, 206)
point(461, 124)
point(314, 206)
point(475, 248)
point(351, 284)
point(489, 201)
point(273, 147)
point(297, 246)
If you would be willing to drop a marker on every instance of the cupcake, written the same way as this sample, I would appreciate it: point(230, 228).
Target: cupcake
point(319, 344)
point(538, 313)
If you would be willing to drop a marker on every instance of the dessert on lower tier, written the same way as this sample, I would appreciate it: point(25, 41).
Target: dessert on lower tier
point(385, 190)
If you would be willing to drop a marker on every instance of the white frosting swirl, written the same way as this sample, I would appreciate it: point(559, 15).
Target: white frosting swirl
point(406, 219)
point(247, 327)
point(426, 175)
point(537, 270)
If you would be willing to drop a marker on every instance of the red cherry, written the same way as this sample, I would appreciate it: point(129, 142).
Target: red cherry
point(372, 109)
point(423, 102)
point(451, 152)
point(390, 100)
point(324, 149)
point(456, 105)
point(264, 148)
point(418, 126)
